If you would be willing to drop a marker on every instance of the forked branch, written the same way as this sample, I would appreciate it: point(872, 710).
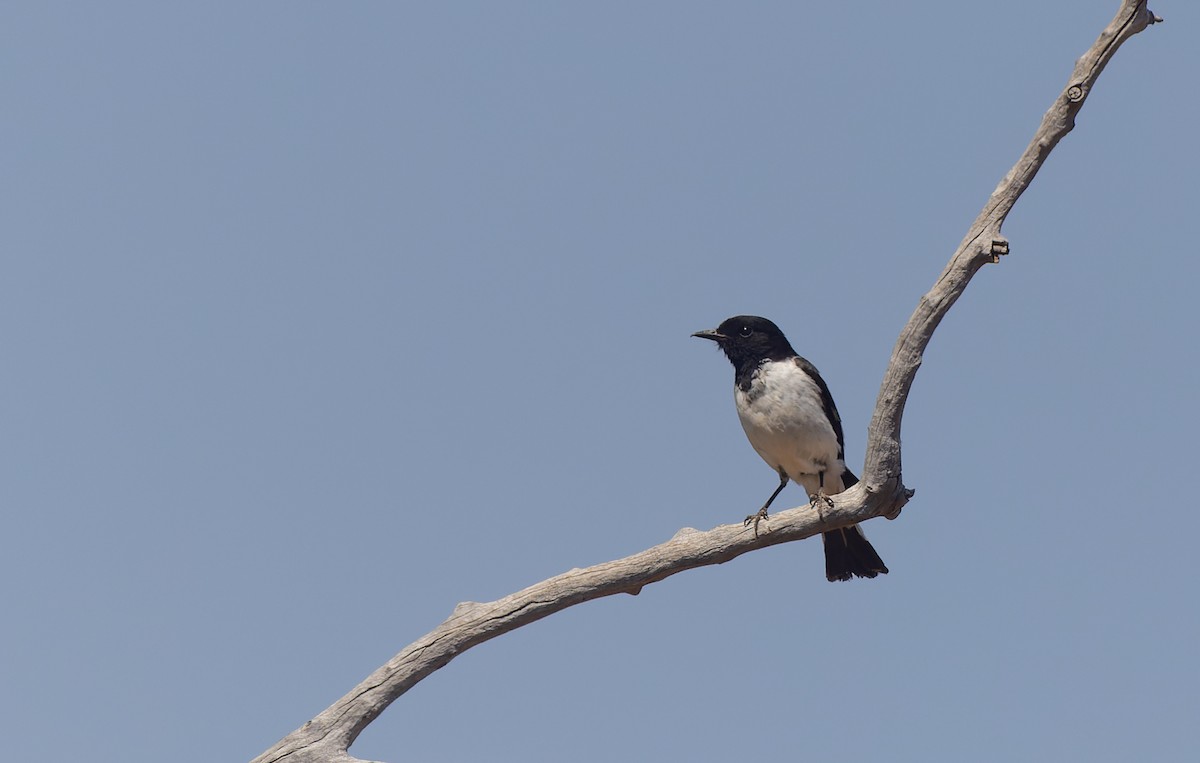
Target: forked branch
point(327, 737)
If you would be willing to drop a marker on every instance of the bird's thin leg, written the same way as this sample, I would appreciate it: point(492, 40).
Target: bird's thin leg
point(762, 513)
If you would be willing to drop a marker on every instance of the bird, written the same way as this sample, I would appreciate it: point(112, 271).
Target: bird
point(789, 417)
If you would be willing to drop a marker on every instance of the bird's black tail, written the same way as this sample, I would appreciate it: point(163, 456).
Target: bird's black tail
point(848, 553)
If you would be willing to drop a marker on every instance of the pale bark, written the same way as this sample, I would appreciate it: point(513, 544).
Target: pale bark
point(881, 491)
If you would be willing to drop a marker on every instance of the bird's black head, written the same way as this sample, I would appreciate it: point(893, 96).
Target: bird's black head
point(749, 340)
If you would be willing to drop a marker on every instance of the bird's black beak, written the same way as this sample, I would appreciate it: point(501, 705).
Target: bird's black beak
point(712, 334)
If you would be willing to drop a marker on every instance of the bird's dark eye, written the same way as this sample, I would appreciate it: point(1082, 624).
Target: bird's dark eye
point(745, 331)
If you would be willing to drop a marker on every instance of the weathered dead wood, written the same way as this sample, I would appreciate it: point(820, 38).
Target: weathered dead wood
point(327, 737)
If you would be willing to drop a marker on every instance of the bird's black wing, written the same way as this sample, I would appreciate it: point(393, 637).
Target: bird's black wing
point(826, 402)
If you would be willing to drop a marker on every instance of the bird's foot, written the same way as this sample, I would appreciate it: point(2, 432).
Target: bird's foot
point(755, 519)
point(819, 501)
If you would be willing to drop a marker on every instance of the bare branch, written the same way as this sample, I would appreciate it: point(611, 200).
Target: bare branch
point(881, 492)
point(984, 243)
point(329, 734)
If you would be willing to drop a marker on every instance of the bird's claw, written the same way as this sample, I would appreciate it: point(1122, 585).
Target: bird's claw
point(820, 498)
point(755, 519)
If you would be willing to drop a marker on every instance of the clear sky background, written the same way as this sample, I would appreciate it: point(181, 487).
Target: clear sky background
point(319, 318)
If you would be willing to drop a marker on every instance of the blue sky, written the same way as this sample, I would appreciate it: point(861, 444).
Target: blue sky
point(320, 318)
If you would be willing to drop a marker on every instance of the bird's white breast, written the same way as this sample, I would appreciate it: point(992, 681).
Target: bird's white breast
point(786, 423)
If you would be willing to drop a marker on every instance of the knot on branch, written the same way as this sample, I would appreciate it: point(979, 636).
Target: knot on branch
point(1076, 93)
point(903, 498)
point(898, 503)
point(888, 497)
point(999, 248)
